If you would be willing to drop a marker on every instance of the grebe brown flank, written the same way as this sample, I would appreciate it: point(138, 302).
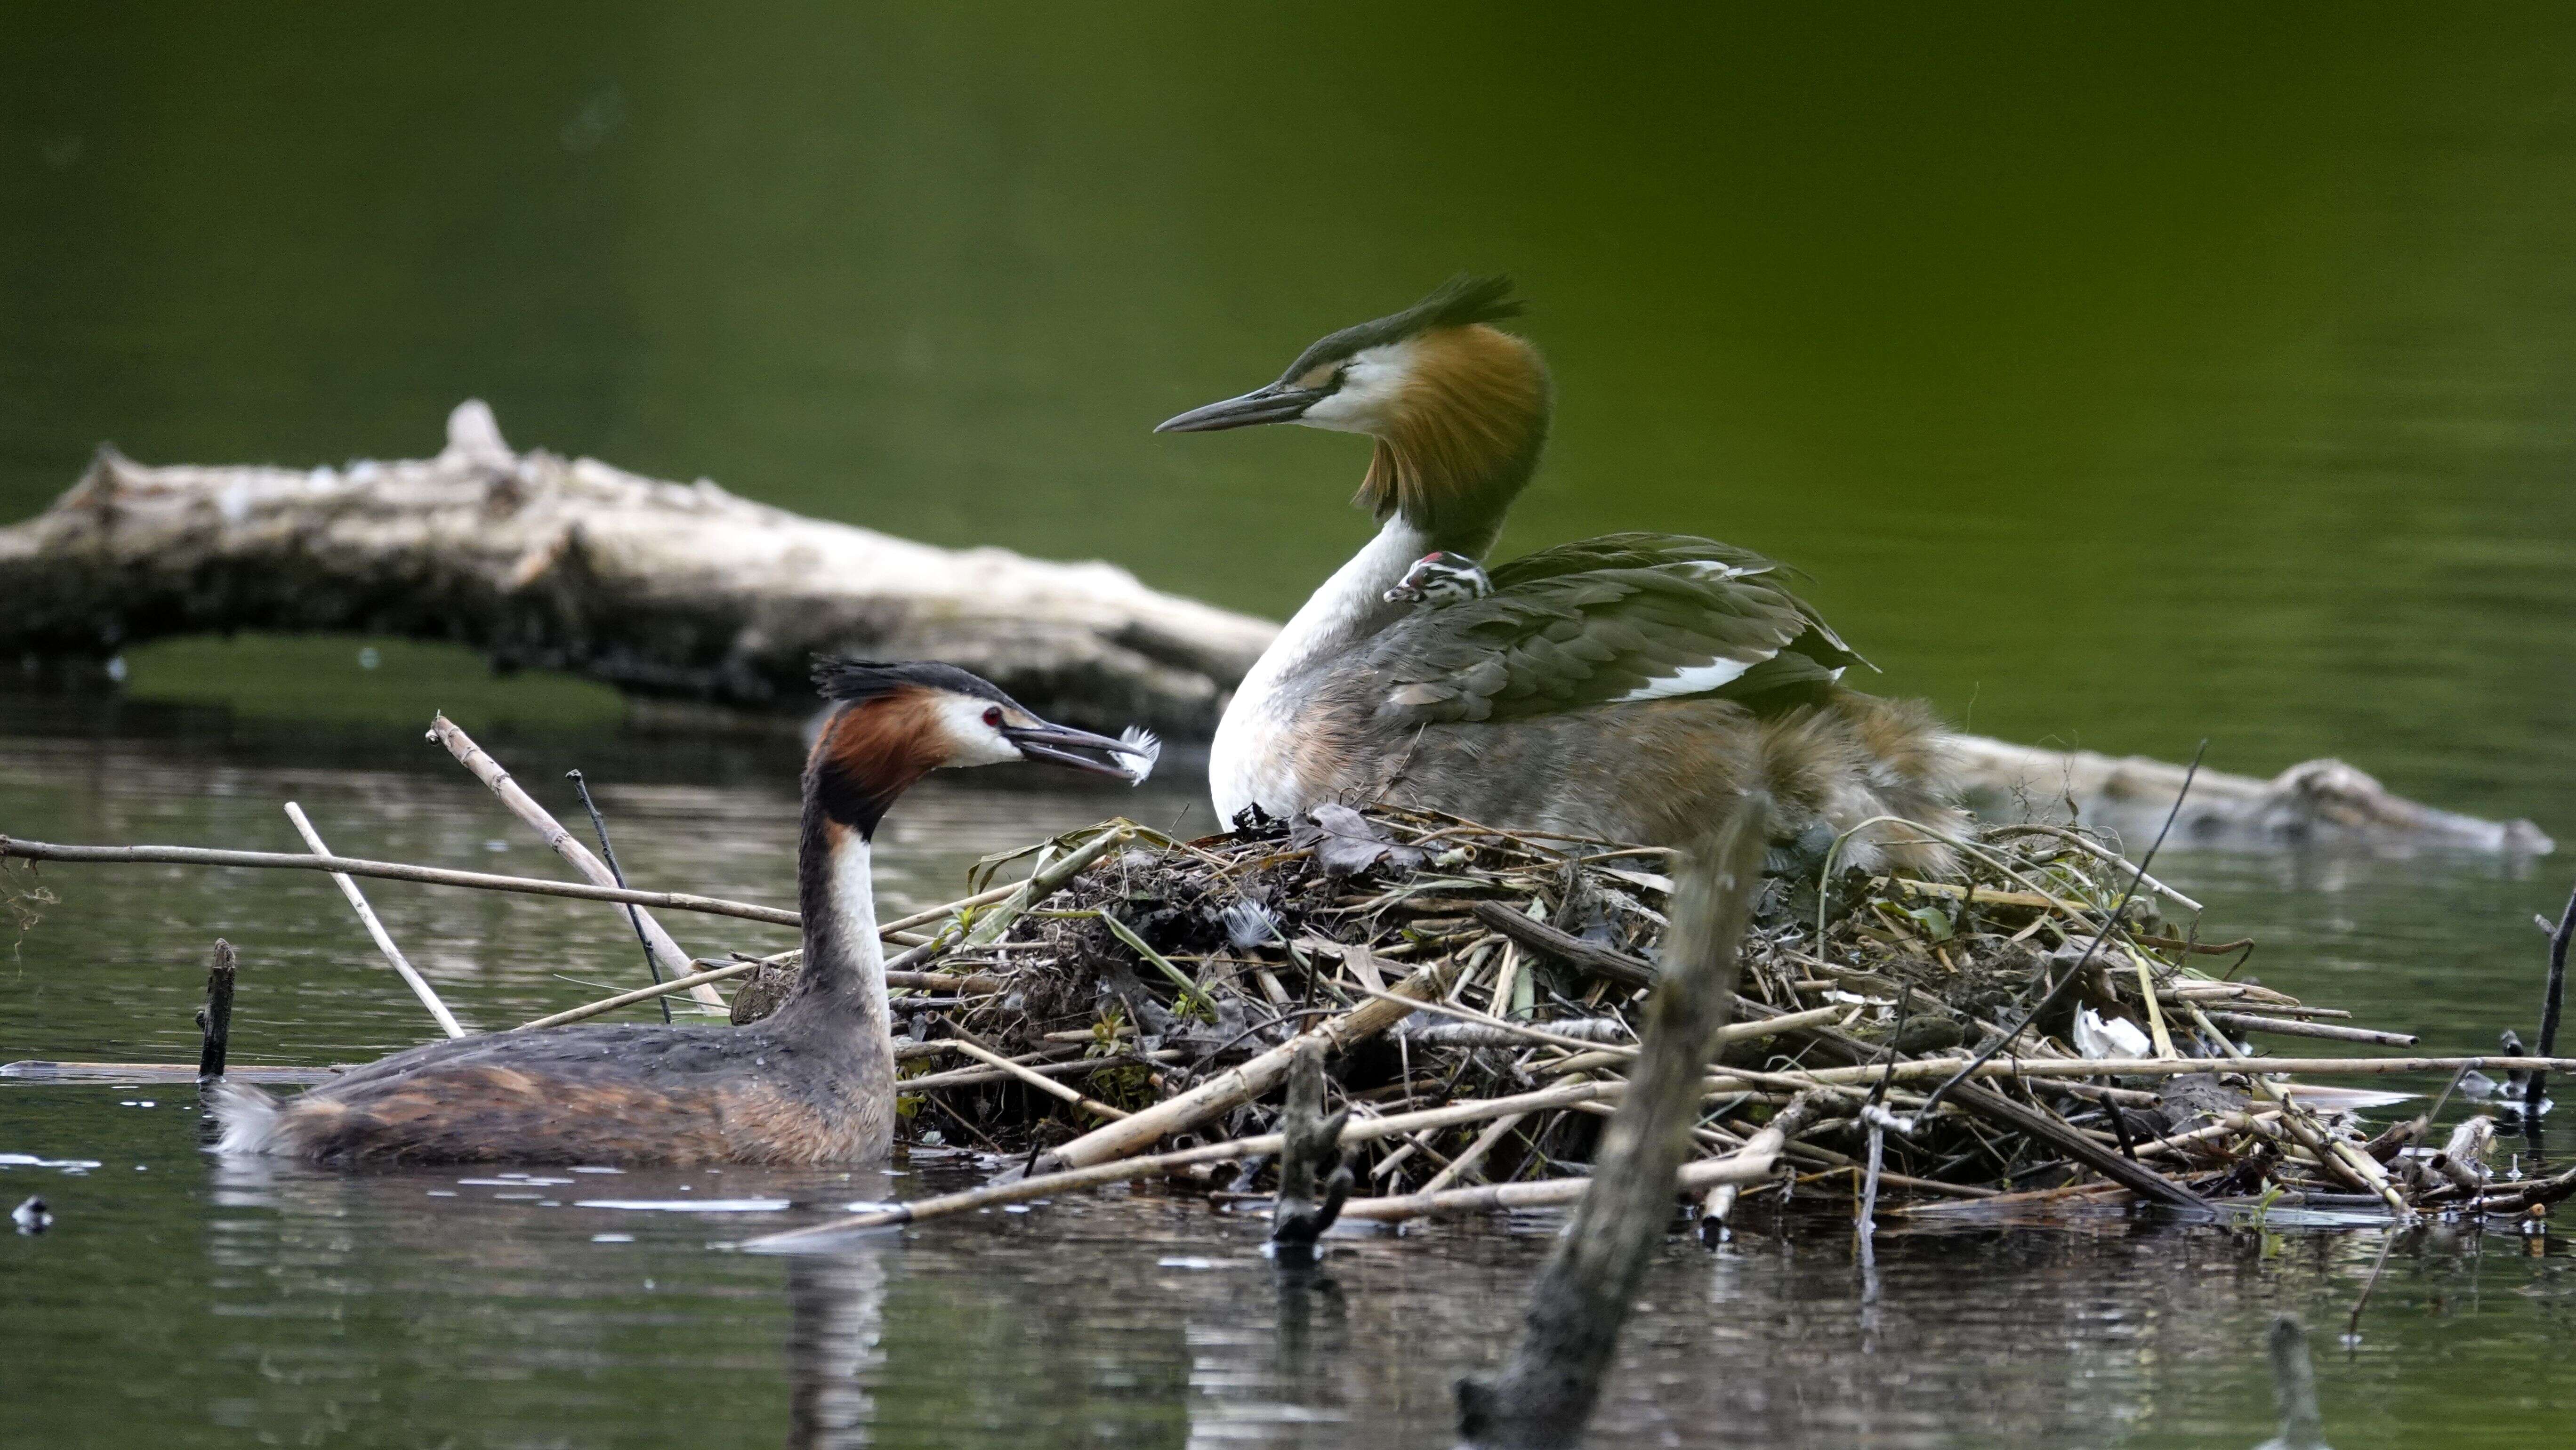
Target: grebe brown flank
point(813, 1083)
point(1630, 686)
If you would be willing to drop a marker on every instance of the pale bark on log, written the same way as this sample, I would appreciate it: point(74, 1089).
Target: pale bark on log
point(2315, 802)
point(686, 592)
point(661, 589)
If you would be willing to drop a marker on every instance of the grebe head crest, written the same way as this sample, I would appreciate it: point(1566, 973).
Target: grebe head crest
point(1348, 380)
point(1441, 578)
point(1458, 409)
point(894, 723)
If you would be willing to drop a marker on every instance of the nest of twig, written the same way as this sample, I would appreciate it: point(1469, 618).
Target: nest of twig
point(1144, 967)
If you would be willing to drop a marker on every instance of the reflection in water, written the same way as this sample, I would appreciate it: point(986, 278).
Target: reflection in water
point(836, 1309)
point(279, 1301)
point(1314, 1319)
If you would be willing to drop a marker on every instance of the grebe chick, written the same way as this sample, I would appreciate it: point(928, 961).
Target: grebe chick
point(1441, 577)
point(1631, 687)
point(812, 1083)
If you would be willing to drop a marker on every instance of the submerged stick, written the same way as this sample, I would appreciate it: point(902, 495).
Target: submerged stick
point(2294, 1387)
point(2539, 1081)
point(215, 1019)
point(390, 871)
point(1547, 1391)
point(474, 758)
point(419, 984)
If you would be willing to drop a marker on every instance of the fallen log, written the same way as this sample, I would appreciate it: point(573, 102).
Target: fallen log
point(661, 589)
point(2317, 801)
point(684, 592)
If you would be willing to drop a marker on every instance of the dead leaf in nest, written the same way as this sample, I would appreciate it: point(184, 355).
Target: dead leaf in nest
point(1347, 843)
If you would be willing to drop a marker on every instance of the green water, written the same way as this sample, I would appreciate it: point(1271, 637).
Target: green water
point(2122, 379)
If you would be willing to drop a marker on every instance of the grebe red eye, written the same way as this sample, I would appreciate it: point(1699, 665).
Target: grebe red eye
point(993, 717)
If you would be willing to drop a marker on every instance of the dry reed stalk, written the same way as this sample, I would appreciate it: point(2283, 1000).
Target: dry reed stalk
point(419, 984)
point(388, 871)
point(1036, 1080)
point(1241, 1084)
point(665, 952)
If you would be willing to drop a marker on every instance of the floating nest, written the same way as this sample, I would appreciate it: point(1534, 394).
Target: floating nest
point(1138, 967)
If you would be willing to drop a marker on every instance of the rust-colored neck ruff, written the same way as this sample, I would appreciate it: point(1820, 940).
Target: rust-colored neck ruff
point(1465, 436)
point(870, 752)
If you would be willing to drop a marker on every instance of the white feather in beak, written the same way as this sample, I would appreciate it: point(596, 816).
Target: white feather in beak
point(1149, 748)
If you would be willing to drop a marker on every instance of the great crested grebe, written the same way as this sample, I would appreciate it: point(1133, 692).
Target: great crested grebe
point(1628, 687)
point(813, 1083)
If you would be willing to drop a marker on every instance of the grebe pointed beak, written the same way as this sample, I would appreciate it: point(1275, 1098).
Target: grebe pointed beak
point(1275, 403)
point(1061, 745)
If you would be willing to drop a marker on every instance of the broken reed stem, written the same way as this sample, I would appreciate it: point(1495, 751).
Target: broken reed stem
point(470, 880)
point(617, 877)
point(419, 984)
point(666, 953)
point(1242, 1084)
point(1465, 1162)
point(390, 871)
point(215, 1019)
point(1036, 1080)
point(2333, 1154)
point(1547, 1391)
point(1045, 1185)
point(1763, 1150)
point(2284, 1027)
point(689, 983)
point(2549, 1003)
point(1042, 883)
point(980, 1076)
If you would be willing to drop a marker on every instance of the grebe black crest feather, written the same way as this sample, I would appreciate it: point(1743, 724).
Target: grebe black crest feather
point(842, 678)
point(1455, 303)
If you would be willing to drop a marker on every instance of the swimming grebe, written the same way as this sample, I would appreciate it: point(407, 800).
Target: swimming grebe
point(813, 1083)
point(1628, 687)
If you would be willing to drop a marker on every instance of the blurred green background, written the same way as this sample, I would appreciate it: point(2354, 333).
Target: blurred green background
point(2123, 378)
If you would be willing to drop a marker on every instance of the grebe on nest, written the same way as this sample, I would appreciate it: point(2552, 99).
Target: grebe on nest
point(813, 1083)
point(1629, 687)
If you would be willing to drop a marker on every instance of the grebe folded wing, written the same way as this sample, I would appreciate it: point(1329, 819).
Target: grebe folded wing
point(1562, 632)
